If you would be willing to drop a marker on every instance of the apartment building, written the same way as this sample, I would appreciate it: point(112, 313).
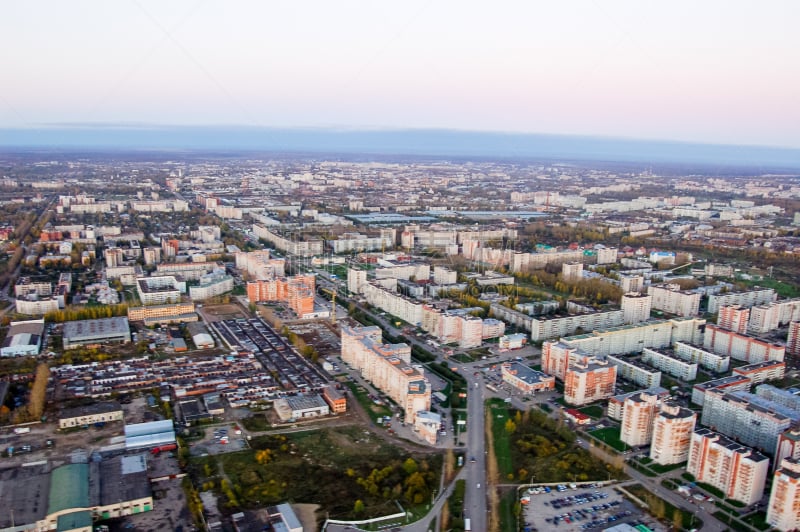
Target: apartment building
point(633, 338)
point(751, 419)
point(114, 257)
point(740, 346)
point(163, 313)
point(793, 340)
point(492, 328)
point(670, 364)
point(768, 317)
point(635, 307)
point(787, 398)
point(769, 370)
point(734, 318)
point(389, 269)
point(525, 379)
point(705, 359)
point(631, 283)
point(296, 291)
point(356, 280)
point(159, 290)
point(301, 248)
point(152, 255)
point(744, 299)
point(571, 271)
point(670, 298)
point(783, 509)
point(606, 255)
point(672, 434)
point(738, 471)
point(190, 271)
point(558, 356)
point(546, 328)
point(638, 414)
point(444, 276)
point(398, 305)
point(25, 287)
point(589, 380)
point(616, 403)
point(635, 371)
point(531, 261)
point(788, 445)
point(733, 383)
point(388, 367)
point(211, 285)
point(513, 317)
point(349, 242)
point(260, 265)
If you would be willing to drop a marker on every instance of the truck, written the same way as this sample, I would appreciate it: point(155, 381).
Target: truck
point(22, 430)
point(467, 525)
point(163, 448)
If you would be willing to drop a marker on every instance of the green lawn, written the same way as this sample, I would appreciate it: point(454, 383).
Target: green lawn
point(595, 411)
point(661, 509)
point(502, 441)
point(361, 395)
point(610, 436)
point(508, 520)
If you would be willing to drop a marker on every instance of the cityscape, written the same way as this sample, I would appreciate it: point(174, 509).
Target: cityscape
point(428, 267)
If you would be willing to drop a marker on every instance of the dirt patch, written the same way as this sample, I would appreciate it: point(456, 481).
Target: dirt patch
point(307, 513)
point(224, 312)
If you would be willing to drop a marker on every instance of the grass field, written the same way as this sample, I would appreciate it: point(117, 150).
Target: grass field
point(661, 509)
point(595, 411)
point(361, 395)
point(610, 436)
point(333, 468)
point(502, 440)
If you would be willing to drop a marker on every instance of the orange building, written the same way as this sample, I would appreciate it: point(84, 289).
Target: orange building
point(335, 400)
point(296, 291)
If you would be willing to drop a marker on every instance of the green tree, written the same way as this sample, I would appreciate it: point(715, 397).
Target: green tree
point(358, 507)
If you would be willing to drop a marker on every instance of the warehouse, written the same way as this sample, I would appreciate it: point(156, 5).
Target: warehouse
point(90, 332)
point(24, 338)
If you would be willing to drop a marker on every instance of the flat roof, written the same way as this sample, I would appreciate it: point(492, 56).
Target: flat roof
point(89, 410)
point(76, 330)
point(26, 491)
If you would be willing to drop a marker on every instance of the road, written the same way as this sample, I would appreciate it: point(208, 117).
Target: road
point(475, 502)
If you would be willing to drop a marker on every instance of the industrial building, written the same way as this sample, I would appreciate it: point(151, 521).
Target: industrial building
point(526, 379)
point(102, 331)
point(89, 414)
point(24, 338)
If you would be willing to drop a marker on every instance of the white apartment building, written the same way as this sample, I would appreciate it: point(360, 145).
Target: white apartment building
point(670, 364)
point(211, 285)
point(635, 307)
point(606, 255)
point(492, 328)
point(546, 328)
point(766, 318)
point(356, 279)
point(159, 290)
point(636, 372)
point(631, 283)
point(190, 271)
point(388, 367)
point(670, 298)
point(633, 338)
point(349, 242)
point(530, 261)
point(36, 307)
point(638, 415)
point(444, 276)
point(783, 510)
point(741, 347)
point(389, 270)
point(787, 398)
point(572, 271)
point(752, 420)
point(705, 359)
point(672, 434)
point(260, 265)
point(301, 248)
point(25, 287)
point(404, 308)
point(738, 471)
point(734, 318)
point(743, 299)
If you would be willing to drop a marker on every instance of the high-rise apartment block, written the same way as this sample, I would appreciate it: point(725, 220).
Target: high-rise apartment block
point(296, 291)
point(589, 380)
point(572, 271)
point(744, 299)
point(672, 434)
point(737, 470)
point(388, 367)
point(631, 283)
point(638, 414)
point(734, 318)
point(793, 340)
point(783, 510)
point(636, 307)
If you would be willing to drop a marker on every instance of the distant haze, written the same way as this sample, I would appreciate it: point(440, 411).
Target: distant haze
point(711, 71)
point(443, 143)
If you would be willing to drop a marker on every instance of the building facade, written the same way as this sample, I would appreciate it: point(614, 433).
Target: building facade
point(672, 434)
point(783, 510)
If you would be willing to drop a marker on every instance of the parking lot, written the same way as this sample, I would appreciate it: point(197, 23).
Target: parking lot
point(581, 509)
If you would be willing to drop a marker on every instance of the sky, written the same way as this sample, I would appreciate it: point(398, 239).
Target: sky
point(725, 72)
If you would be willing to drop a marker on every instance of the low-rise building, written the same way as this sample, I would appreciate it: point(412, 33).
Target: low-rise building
point(769, 370)
point(101, 331)
point(90, 414)
point(24, 338)
point(335, 399)
point(526, 379)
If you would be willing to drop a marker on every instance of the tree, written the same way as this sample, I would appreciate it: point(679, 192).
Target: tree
point(38, 392)
point(358, 507)
point(410, 466)
point(511, 427)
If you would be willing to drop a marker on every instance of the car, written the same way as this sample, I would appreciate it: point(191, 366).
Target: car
point(478, 486)
point(472, 459)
